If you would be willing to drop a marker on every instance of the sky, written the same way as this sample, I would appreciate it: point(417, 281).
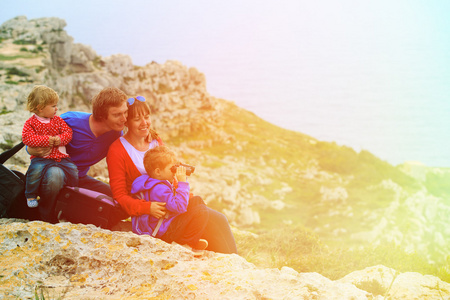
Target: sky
point(369, 74)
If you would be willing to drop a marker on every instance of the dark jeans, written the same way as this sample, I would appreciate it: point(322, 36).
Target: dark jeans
point(188, 227)
point(218, 233)
point(198, 222)
point(53, 181)
point(39, 166)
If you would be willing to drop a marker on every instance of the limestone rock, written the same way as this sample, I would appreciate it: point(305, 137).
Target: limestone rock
point(82, 58)
point(119, 64)
point(389, 283)
point(78, 262)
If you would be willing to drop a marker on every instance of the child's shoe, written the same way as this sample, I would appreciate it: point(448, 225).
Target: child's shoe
point(201, 245)
point(32, 202)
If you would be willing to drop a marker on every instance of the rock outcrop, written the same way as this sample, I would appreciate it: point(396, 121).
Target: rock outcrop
point(71, 261)
point(177, 94)
point(39, 51)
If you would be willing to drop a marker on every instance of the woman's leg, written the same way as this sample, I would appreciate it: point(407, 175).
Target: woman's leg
point(218, 233)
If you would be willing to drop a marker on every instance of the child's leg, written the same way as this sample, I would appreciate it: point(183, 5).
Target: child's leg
point(188, 227)
point(33, 180)
point(70, 171)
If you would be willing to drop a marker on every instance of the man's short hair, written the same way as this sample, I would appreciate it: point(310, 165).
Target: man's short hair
point(41, 96)
point(158, 157)
point(106, 98)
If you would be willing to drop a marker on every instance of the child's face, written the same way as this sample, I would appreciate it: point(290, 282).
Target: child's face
point(166, 173)
point(48, 111)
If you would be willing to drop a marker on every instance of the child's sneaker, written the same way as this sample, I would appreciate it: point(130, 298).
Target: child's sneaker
point(201, 245)
point(32, 202)
point(194, 251)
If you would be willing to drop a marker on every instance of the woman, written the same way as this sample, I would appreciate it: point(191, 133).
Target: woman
point(125, 163)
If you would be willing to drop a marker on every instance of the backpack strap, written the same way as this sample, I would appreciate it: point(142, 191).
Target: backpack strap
point(166, 216)
point(8, 153)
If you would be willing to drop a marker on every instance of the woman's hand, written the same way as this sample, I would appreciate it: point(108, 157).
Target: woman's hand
point(158, 209)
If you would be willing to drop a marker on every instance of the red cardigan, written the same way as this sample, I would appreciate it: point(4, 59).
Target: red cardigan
point(122, 173)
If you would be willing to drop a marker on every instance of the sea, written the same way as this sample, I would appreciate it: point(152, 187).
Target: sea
point(371, 75)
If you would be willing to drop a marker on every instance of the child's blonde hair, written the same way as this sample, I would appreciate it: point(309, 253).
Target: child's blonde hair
point(158, 157)
point(40, 97)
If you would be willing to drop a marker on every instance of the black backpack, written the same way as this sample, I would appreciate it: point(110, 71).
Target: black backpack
point(76, 205)
point(13, 203)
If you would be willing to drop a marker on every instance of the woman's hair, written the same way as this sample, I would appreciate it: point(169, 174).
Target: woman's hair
point(41, 96)
point(158, 157)
point(106, 98)
point(139, 108)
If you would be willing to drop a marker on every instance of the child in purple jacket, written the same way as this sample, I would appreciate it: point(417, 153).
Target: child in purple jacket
point(187, 217)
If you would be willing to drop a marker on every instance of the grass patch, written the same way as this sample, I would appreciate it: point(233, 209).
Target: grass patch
point(5, 111)
point(302, 250)
point(13, 57)
point(11, 82)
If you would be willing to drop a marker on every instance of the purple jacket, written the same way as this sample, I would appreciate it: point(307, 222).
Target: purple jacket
point(156, 190)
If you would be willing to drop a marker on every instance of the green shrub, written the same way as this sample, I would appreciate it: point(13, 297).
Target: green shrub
point(25, 42)
point(15, 71)
point(39, 69)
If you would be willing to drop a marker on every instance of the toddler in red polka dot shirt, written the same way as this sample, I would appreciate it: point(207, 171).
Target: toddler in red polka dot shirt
point(45, 129)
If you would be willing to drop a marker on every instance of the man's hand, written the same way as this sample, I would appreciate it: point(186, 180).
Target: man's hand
point(158, 209)
point(39, 151)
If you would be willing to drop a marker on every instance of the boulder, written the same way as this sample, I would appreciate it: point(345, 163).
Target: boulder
point(389, 283)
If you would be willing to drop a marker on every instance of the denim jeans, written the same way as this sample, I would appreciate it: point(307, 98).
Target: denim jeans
point(188, 227)
point(40, 166)
point(218, 233)
point(201, 221)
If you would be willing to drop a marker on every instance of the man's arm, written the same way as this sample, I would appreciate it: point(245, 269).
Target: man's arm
point(39, 151)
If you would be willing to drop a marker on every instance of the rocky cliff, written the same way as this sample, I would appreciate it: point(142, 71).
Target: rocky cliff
point(259, 175)
point(67, 261)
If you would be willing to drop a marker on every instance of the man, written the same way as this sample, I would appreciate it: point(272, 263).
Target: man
point(92, 136)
